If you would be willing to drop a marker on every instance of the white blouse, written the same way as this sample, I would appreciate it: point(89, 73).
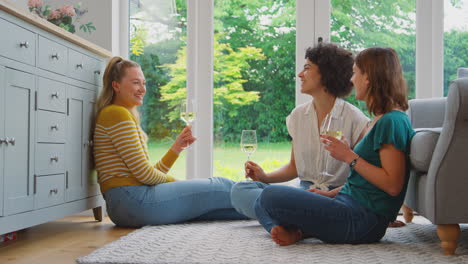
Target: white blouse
point(303, 128)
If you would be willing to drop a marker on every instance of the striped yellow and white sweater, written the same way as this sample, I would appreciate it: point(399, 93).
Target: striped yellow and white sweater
point(121, 153)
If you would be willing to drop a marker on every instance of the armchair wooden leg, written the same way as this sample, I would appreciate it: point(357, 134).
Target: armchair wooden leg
point(98, 213)
point(448, 235)
point(407, 213)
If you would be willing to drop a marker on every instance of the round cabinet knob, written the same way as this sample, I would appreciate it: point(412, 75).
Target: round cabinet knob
point(24, 44)
point(55, 56)
point(54, 127)
point(79, 66)
point(97, 72)
point(56, 95)
point(2, 140)
point(56, 159)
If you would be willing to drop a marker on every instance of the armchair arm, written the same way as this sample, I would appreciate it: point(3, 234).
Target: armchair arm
point(427, 113)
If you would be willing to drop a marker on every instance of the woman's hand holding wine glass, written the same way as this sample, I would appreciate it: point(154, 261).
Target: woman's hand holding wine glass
point(184, 139)
point(254, 172)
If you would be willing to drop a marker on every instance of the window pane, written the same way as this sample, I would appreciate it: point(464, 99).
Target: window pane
point(360, 24)
point(158, 44)
point(455, 39)
point(254, 81)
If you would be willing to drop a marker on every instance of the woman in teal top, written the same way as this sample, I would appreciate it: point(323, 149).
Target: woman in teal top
point(361, 210)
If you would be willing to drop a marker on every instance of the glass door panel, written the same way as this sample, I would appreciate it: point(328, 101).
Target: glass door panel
point(158, 43)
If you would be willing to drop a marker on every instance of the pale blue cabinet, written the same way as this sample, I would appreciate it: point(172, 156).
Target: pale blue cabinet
point(81, 177)
point(2, 134)
point(48, 88)
point(19, 123)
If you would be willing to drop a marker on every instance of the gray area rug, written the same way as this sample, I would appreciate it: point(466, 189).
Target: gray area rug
point(247, 242)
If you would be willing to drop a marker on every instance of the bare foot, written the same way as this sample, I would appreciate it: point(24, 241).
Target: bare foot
point(284, 237)
point(396, 223)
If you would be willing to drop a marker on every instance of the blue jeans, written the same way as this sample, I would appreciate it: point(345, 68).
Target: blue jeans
point(173, 202)
point(332, 220)
point(244, 194)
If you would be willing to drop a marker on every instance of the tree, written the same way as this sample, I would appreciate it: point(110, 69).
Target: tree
point(229, 94)
point(455, 55)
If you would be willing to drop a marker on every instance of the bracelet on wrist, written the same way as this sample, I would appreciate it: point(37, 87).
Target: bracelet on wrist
point(353, 162)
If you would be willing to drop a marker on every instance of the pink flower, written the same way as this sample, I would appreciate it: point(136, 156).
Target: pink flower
point(35, 3)
point(67, 10)
point(55, 14)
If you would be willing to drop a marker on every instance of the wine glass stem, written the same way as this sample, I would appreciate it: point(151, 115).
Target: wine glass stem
point(248, 156)
point(326, 163)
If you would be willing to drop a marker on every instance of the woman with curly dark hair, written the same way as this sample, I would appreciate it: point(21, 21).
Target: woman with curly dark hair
point(375, 189)
point(326, 77)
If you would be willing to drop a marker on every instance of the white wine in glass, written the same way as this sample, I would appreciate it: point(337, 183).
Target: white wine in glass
point(188, 112)
point(248, 142)
point(331, 126)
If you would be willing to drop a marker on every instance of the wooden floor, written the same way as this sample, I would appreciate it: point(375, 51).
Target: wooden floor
point(60, 241)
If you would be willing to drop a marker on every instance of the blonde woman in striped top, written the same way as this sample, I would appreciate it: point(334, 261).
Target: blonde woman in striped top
point(138, 193)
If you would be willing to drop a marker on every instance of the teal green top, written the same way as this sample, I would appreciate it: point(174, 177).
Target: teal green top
point(392, 128)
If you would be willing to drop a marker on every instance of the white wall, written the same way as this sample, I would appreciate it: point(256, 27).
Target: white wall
point(105, 15)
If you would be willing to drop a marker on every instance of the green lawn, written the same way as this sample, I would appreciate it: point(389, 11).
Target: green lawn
point(229, 159)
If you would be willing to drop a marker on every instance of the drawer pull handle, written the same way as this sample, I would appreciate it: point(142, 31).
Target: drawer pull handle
point(53, 191)
point(97, 72)
point(54, 127)
point(88, 143)
point(12, 141)
point(56, 159)
point(24, 44)
point(79, 66)
point(55, 56)
point(56, 95)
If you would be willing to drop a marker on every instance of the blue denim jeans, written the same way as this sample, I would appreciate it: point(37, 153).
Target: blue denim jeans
point(244, 194)
point(332, 220)
point(173, 202)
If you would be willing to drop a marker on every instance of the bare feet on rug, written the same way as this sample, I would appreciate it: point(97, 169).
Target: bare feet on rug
point(284, 237)
point(396, 223)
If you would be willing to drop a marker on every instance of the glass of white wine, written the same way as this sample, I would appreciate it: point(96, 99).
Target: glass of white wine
point(248, 142)
point(188, 112)
point(331, 126)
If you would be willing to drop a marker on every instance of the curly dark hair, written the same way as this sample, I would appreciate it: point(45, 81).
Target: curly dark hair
point(336, 67)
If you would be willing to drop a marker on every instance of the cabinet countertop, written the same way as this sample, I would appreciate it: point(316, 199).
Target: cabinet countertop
point(12, 9)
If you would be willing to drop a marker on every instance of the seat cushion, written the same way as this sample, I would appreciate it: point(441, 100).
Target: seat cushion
point(422, 147)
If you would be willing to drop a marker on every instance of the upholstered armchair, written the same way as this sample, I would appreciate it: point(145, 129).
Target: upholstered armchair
point(438, 184)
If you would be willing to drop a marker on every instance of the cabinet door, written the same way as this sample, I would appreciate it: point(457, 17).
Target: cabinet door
point(19, 129)
point(89, 173)
point(74, 143)
point(2, 132)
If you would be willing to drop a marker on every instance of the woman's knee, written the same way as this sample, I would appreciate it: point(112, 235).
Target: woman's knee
point(271, 196)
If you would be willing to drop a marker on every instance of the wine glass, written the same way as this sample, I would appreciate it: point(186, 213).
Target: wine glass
point(188, 112)
point(248, 142)
point(331, 126)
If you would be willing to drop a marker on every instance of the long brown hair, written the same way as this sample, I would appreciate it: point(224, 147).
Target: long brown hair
point(387, 86)
point(115, 70)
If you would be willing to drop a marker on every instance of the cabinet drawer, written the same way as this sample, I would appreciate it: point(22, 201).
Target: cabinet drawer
point(17, 43)
point(50, 127)
point(50, 158)
point(51, 95)
point(83, 67)
point(52, 56)
point(50, 190)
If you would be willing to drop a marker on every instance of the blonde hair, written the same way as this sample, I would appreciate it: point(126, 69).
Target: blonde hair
point(115, 70)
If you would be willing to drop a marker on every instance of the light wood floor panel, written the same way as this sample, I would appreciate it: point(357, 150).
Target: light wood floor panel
point(60, 241)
